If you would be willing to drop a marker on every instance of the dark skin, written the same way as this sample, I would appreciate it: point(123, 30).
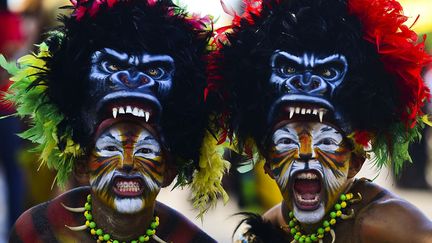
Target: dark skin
point(127, 159)
point(380, 216)
point(46, 223)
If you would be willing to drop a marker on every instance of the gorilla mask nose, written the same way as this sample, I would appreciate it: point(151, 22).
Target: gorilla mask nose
point(133, 80)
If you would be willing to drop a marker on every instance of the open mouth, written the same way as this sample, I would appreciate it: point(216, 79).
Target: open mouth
point(128, 187)
point(307, 190)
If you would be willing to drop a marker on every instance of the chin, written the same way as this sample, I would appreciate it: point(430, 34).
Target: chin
point(129, 205)
point(309, 216)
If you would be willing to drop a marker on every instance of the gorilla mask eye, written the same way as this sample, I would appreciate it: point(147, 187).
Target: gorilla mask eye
point(288, 70)
point(113, 68)
point(155, 72)
point(327, 73)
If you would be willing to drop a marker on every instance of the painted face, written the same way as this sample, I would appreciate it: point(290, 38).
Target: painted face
point(310, 162)
point(126, 167)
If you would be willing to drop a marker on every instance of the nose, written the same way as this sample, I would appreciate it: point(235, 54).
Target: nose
point(307, 83)
point(131, 79)
point(127, 164)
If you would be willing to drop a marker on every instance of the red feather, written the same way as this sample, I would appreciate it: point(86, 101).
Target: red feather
point(400, 50)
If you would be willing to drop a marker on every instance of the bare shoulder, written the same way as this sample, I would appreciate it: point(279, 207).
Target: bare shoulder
point(392, 219)
point(176, 227)
point(46, 222)
point(274, 215)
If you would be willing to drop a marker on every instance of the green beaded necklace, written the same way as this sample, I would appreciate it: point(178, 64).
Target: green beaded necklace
point(295, 230)
point(99, 234)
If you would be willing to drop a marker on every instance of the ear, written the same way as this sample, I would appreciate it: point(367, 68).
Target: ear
point(80, 172)
point(170, 173)
point(268, 170)
point(356, 163)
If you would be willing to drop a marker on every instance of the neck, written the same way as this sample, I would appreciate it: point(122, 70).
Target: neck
point(120, 226)
point(307, 228)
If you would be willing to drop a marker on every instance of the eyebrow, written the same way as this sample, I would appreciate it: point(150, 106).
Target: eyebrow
point(116, 54)
point(328, 128)
point(147, 140)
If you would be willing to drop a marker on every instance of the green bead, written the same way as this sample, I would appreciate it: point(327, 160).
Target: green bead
point(343, 197)
point(106, 237)
point(313, 237)
point(291, 214)
point(134, 241)
point(302, 240)
point(291, 223)
point(308, 240)
point(326, 223)
point(150, 232)
point(92, 225)
point(99, 232)
point(320, 231)
point(332, 215)
point(116, 241)
point(141, 239)
point(297, 237)
point(338, 206)
point(87, 206)
point(293, 231)
point(88, 198)
point(89, 217)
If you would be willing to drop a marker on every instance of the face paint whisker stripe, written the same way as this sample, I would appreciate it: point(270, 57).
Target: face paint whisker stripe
point(157, 178)
point(338, 160)
point(152, 169)
point(157, 161)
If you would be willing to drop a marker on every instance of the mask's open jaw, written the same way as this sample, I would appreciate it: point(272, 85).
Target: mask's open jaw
point(307, 190)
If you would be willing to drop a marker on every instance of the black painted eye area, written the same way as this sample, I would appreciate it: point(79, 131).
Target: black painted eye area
point(285, 141)
point(327, 141)
point(144, 151)
point(155, 72)
point(111, 148)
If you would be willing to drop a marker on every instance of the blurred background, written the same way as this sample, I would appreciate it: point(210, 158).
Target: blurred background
point(22, 184)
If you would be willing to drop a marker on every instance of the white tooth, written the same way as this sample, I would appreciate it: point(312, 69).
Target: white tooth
point(303, 111)
point(297, 110)
point(114, 112)
point(308, 111)
point(135, 111)
point(141, 113)
point(292, 109)
point(315, 112)
point(121, 110)
point(321, 115)
point(147, 116)
point(128, 109)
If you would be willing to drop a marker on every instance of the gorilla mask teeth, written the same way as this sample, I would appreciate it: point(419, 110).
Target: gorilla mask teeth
point(320, 112)
point(135, 111)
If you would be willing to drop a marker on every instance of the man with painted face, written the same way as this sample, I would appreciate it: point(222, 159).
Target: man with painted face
point(315, 87)
point(116, 94)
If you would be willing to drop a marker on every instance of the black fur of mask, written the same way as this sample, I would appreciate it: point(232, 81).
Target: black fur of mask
point(131, 27)
point(366, 99)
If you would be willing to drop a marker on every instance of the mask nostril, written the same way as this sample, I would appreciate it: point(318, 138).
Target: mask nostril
point(297, 84)
point(315, 84)
point(144, 80)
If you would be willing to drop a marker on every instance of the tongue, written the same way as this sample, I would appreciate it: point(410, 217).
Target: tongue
point(307, 187)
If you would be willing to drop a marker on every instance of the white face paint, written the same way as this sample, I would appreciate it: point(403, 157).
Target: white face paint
point(126, 167)
point(310, 162)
